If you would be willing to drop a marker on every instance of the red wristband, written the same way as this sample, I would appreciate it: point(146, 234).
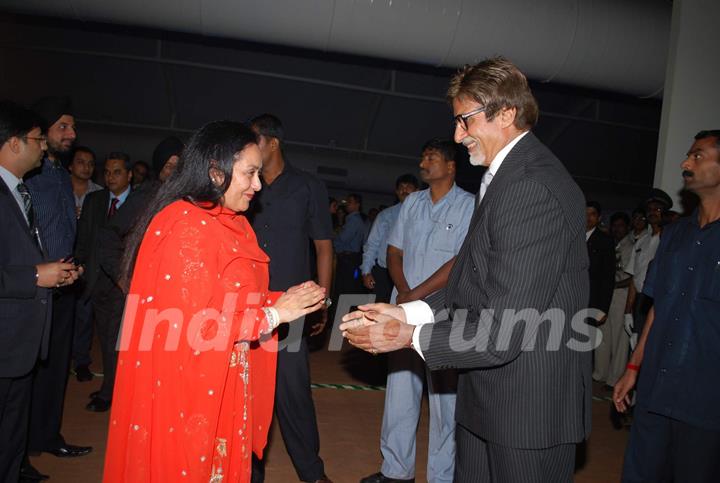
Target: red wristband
point(633, 367)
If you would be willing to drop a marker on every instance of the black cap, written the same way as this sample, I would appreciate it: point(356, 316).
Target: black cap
point(171, 146)
point(53, 108)
point(661, 197)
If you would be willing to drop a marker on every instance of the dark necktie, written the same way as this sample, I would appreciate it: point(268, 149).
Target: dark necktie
point(113, 207)
point(27, 203)
point(29, 212)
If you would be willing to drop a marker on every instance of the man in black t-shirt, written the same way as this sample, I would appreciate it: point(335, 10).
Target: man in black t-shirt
point(290, 210)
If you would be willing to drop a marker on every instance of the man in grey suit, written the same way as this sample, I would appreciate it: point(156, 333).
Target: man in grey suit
point(508, 314)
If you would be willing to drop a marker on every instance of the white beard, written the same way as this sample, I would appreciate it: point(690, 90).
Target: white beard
point(477, 158)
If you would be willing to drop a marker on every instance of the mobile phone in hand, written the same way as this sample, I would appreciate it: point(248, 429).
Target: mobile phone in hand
point(70, 259)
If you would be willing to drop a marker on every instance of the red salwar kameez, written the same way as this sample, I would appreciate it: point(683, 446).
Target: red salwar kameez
point(195, 380)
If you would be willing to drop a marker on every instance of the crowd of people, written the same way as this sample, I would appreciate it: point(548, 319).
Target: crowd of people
point(191, 268)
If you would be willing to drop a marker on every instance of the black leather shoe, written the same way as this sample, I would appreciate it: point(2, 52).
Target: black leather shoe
point(380, 478)
point(70, 451)
point(83, 374)
point(98, 405)
point(29, 473)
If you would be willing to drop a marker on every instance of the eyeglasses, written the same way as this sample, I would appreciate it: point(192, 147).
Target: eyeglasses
point(40, 139)
point(462, 118)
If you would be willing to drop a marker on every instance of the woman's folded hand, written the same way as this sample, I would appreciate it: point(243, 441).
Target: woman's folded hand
point(300, 300)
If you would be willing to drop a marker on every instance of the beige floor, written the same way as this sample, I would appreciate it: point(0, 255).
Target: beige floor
point(349, 424)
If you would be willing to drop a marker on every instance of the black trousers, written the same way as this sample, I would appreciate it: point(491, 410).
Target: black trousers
point(479, 461)
point(295, 413)
point(345, 270)
point(51, 376)
point(15, 394)
point(664, 450)
point(83, 332)
point(383, 284)
point(108, 305)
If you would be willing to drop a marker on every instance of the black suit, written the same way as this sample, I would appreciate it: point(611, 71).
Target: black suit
point(99, 248)
point(601, 251)
point(93, 218)
point(520, 408)
point(25, 318)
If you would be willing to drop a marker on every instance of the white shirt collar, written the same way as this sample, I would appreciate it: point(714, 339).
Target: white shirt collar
point(502, 154)
point(588, 234)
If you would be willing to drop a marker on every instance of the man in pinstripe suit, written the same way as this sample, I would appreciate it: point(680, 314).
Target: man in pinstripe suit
point(523, 398)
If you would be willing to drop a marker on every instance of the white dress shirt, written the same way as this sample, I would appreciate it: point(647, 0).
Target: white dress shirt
point(642, 254)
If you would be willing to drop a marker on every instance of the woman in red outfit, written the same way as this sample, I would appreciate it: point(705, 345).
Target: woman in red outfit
point(196, 373)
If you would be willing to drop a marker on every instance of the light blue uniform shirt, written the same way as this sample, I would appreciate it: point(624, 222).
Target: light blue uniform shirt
point(350, 238)
point(430, 234)
point(375, 248)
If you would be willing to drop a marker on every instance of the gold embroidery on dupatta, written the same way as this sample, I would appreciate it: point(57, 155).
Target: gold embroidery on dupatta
point(220, 454)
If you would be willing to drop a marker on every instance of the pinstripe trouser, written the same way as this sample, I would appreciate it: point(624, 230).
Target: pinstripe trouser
point(478, 461)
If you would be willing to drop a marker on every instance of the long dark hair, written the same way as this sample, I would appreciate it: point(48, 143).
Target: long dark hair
point(211, 148)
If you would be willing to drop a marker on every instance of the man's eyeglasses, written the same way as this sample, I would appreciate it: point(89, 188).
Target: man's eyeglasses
point(40, 139)
point(461, 119)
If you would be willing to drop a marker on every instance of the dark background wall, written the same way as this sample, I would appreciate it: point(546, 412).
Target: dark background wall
point(356, 122)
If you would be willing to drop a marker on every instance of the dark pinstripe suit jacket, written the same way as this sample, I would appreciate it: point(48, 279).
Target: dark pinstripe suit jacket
point(525, 249)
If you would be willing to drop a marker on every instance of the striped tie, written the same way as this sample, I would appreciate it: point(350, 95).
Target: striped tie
point(27, 203)
point(113, 207)
point(29, 212)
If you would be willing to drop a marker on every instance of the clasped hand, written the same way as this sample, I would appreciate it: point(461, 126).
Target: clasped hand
point(300, 300)
point(377, 328)
point(57, 274)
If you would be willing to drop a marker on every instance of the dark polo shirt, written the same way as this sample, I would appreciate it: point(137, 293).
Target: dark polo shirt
point(286, 215)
